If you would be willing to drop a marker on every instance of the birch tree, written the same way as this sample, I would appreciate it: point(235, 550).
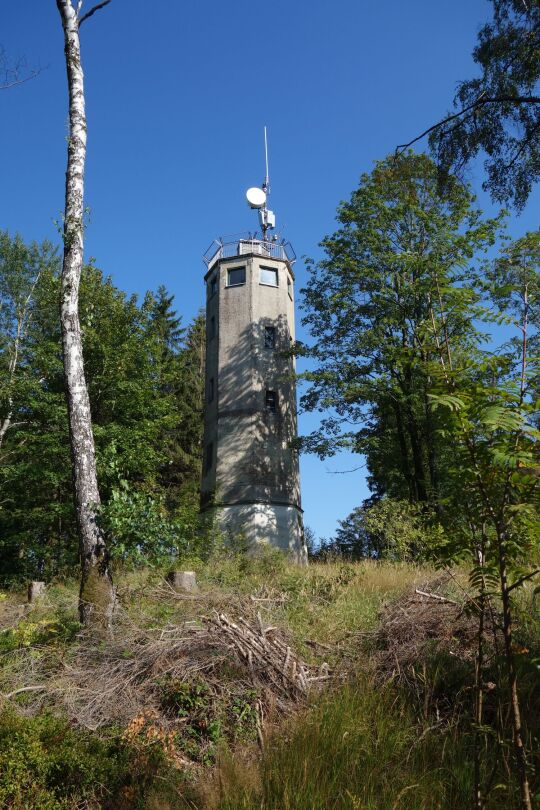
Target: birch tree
point(20, 270)
point(96, 597)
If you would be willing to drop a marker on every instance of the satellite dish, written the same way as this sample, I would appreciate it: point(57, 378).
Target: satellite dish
point(256, 197)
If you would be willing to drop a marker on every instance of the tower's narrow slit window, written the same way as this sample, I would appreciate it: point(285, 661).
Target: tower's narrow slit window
point(212, 327)
point(289, 287)
point(209, 456)
point(269, 337)
point(236, 276)
point(212, 287)
point(271, 400)
point(268, 276)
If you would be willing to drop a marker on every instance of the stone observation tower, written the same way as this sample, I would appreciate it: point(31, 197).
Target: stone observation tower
point(250, 472)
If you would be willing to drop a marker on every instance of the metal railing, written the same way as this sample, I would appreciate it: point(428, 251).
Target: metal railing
point(243, 244)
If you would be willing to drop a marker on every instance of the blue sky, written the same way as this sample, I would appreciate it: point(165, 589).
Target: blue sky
point(177, 97)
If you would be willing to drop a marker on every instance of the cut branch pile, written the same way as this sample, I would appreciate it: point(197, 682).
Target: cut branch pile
point(426, 622)
point(122, 678)
point(268, 657)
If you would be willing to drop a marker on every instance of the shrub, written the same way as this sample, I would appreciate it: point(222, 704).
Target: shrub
point(45, 764)
point(141, 532)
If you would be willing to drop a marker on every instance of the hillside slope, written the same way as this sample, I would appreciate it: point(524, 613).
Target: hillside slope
point(335, 686)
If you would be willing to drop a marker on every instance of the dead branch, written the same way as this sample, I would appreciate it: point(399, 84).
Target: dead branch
point(435, 596)
point(93, 10)
point(123, 679)
point(37, 688)
point(265, 653)
point(479, 102)
point(13, 75)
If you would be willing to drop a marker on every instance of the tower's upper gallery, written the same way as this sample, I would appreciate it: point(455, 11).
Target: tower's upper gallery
point(248, 244)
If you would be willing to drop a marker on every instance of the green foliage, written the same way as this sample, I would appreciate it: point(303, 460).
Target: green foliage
point(402, 531)
point(488, 409)
point(231, 565)
point(369, 307)
point(141, 531)
point(145, 376)
point(448, 423)
point(208, 721)
point(48, 765)
point(388, 529)
point(498, 112)
point(29, 633)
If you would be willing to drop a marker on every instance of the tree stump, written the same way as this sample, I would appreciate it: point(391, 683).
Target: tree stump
point(183, 581)
point(36, 590)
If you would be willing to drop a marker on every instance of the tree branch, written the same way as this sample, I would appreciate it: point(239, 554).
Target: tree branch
point(15, 82)
point(23, 689)
point(480, 102)
point(14, 75)
point(93, 11)
point(523, 146)
point(523, 579)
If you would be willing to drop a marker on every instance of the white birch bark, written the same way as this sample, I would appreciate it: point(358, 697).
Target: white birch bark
point(6, 421)
point(20, 334)
point(96, 593)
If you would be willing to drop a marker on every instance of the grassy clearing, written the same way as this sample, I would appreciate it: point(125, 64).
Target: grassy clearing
point(325, 603)
point(181, 729)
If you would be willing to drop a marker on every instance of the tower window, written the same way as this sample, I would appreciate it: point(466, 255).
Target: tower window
point(212, 327)
point(236, 276)
point(269, 337)
point(211, 389)
point(269, 276)
point(209, 456)
point(289, 287)
point(212, 287)
point(270, 401)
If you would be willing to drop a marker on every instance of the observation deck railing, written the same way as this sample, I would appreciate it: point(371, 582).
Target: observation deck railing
point(243, 244)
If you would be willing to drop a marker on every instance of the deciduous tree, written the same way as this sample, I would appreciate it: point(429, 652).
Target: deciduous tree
point(498, 113)
point(367, 305)
point(96, 593)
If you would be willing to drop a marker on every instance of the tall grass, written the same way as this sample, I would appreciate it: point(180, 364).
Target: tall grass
point(359, 747)
point(362, 746)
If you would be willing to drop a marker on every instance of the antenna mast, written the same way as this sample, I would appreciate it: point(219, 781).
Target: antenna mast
point(257, 198)
point(266, 184)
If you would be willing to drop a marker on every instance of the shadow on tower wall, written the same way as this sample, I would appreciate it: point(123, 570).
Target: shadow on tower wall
point(253, 461)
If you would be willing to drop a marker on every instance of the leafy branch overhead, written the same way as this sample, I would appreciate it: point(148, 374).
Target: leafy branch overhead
point(498, 113)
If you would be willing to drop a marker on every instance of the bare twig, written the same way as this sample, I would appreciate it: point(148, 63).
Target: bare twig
point(37, 688)
point(13, 74)
point(435, 596)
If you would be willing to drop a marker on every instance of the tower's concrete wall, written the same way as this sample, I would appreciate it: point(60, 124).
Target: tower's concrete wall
point(250, 471)
point(261, 523)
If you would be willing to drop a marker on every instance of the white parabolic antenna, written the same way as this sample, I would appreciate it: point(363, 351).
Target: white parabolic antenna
point(256, 197)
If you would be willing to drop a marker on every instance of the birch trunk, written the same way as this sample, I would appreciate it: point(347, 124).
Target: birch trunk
point(20, 334)
point(96, 597)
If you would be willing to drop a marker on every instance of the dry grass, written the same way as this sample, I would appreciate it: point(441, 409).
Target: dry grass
point(249, 648)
